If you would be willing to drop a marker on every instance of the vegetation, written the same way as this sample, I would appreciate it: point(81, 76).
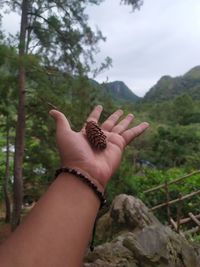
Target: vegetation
point(119, 91)
point(169, 88)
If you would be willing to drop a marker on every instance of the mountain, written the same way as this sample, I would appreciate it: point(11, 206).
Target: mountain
point(169, 88)
point(165, 89)
point(120, 92)
point(194, 73)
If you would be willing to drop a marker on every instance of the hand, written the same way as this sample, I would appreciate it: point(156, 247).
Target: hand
point(76, 152)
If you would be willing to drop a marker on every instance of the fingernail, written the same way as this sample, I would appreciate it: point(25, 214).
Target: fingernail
point(130, 115)
point(120, 111)
point(50, 112)
point(146, 123)
point(99, 107)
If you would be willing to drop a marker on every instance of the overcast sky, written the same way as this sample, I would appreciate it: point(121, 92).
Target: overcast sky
point(163, 38)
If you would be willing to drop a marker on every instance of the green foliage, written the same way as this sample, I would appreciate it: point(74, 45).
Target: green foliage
point(193, 74)
point(182, 108)
point(8, 85)
point(130, 182)
point(175, 145)
point(195, 238)
point(162, 112)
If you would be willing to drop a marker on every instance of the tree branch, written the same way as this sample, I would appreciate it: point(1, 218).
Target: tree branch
point(136, 4)
point(56, 29)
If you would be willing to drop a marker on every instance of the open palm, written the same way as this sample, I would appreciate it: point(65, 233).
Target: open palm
point(76, 152)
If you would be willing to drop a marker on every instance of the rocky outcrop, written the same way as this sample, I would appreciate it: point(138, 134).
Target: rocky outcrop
point(135, 238)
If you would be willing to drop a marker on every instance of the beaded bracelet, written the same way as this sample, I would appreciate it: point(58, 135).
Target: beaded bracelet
point(84, 179)
point(94, 188)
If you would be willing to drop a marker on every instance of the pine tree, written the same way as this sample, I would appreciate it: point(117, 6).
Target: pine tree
point(7, 111)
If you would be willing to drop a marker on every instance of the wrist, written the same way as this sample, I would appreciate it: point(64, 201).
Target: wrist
point(85, 179)
point(88, 174)
point(92, 172)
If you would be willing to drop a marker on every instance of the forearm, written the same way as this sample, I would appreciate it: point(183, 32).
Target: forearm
point(58, 229)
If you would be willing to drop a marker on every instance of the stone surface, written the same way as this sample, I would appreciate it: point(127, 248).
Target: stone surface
point(135, 238)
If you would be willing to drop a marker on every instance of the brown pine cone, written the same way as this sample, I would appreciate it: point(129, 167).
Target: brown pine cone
point(95, 136)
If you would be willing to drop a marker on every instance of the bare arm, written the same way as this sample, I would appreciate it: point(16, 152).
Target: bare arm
point(57, 231)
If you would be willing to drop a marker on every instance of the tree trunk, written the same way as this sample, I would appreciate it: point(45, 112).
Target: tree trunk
point(20, 128)
point(6, 178)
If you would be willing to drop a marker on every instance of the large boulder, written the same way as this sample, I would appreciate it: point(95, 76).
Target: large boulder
point(135, 238)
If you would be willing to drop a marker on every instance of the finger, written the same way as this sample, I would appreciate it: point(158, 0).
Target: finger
point(95, 114)
point(123, 125)
point(112, 120)
point(130, 134)
point(62, 123)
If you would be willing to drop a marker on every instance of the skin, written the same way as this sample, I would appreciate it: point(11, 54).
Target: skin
point(57, 231)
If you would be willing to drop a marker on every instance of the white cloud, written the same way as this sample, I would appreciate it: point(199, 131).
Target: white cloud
point(11, 23)
point(162, 38)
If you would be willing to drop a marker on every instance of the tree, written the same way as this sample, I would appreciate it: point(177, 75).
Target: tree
point(8, 87)
point(182, 107)
point(174, 146)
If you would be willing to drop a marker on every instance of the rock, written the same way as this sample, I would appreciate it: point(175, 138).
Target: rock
point(113, 254)
point(126, 214)
point(131, 212)
point(135, 238)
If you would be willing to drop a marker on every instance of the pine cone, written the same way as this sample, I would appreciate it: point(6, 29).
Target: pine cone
point(95, 135)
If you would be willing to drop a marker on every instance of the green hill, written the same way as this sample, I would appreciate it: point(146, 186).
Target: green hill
point(120, 92)
point(117, 90)
point(194, 73)
point(169, 88)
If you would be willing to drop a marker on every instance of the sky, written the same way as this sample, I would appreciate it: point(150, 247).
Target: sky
point(162, 38)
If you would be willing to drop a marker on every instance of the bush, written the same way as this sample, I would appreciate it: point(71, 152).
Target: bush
point(128, 182)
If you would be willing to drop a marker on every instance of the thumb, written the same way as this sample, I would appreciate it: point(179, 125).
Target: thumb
point(60, 119)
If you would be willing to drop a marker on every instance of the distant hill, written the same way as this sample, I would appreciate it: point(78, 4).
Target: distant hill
point(165, 89)
point(168, 87)
point(119, 91)
point(194, 73)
